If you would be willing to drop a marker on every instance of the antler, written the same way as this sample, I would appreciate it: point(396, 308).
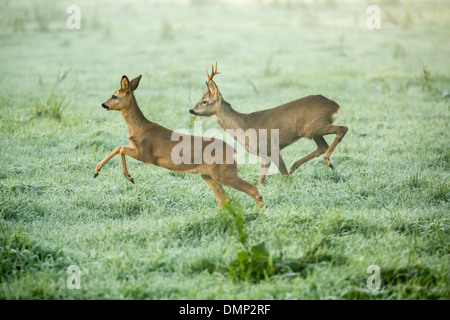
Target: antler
point(213, 72)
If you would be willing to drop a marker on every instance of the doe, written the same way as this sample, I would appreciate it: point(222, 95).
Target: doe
point(152, 144)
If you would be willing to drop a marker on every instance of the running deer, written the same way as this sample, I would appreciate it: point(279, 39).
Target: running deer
point(153, 144)
point(310, 117)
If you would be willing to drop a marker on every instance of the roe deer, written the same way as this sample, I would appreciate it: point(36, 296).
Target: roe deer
point(309, 117)
point(152, 143)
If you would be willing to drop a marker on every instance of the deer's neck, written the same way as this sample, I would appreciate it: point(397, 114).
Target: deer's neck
point(228, 118)
point(135, 119)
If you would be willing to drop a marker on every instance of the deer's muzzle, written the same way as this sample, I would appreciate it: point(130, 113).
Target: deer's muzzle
point(105, 106)
point(191, 111)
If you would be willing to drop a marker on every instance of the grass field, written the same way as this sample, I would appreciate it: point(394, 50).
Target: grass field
point(386, 203)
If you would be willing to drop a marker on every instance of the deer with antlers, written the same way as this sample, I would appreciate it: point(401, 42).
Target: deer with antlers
point(309, 117)
point(154, 144)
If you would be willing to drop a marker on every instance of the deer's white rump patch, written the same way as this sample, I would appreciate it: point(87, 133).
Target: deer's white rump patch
point(335, 115)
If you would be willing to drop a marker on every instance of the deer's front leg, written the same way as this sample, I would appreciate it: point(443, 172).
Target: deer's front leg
point(265, 165)
point(123, 151)
point(102, 163)
point(281, 166)
point(129, 152)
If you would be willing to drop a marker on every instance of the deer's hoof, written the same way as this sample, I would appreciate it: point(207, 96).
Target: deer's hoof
point(95, 175)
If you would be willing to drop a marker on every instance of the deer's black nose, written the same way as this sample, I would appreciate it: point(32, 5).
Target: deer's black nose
point(105, 106)
point(192, 112)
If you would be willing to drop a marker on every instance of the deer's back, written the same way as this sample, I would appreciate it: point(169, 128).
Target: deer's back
point(297, 118)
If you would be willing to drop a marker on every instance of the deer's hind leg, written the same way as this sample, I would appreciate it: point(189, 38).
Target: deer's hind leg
point(231, 179)
point(340, 132)
point(322, 147)
point(217, 189)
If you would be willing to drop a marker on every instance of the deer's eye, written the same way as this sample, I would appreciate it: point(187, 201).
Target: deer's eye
point(204, 101)
point(114, 97)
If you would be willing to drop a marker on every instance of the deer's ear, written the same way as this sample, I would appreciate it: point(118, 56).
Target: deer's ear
point(212, 88)
point(125, 84)
point(135, 82)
